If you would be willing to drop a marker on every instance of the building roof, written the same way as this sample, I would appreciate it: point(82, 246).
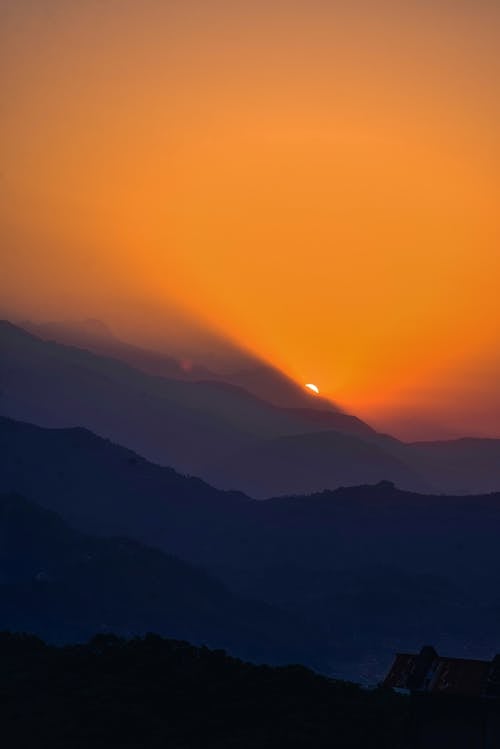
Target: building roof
point(427, 672)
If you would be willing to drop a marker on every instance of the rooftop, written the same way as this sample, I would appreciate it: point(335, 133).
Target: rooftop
point(429, 673)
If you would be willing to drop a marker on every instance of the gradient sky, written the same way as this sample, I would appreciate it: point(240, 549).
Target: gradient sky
point(317, 181)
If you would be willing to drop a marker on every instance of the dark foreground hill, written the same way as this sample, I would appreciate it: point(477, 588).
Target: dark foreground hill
point(65, 585)
point(152, 693)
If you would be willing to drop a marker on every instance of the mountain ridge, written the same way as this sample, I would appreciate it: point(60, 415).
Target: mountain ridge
point(63, 584)
point(223, 434)
point(319, 557)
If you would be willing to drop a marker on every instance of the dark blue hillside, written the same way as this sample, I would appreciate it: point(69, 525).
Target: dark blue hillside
point(378, 568)
point(66, 585)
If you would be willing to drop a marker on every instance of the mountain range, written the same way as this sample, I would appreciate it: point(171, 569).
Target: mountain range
point(256, 377)
point(66, 585)
point(221, 432)
point(360, 571)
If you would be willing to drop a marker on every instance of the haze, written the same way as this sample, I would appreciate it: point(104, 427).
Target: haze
point(316, 183)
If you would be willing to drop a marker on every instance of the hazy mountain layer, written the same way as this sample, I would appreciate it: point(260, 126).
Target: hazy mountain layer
point(190, 426)
point(66, 585)
point(223, 433)
point(257, 378)
point(380, 569)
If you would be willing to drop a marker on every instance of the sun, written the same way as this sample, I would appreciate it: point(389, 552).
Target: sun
point(312, 388)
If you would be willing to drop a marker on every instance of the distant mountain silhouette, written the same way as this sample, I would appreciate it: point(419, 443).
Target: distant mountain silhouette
point(467, 465)
point(378, 567)
point(269, 383)
point(96, 336)
point(221, 432)
point(65, 585)
point(190, 426)
point(304, 463)
point(261, 380)
point(106, 489)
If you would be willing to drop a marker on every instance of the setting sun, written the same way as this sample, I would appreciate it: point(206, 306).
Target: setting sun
point(212, 146)
point(312, 388)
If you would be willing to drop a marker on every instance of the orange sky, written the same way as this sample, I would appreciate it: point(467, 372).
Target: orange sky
point(316, 180)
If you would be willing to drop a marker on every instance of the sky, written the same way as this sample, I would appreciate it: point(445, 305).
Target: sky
point(314, 181)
